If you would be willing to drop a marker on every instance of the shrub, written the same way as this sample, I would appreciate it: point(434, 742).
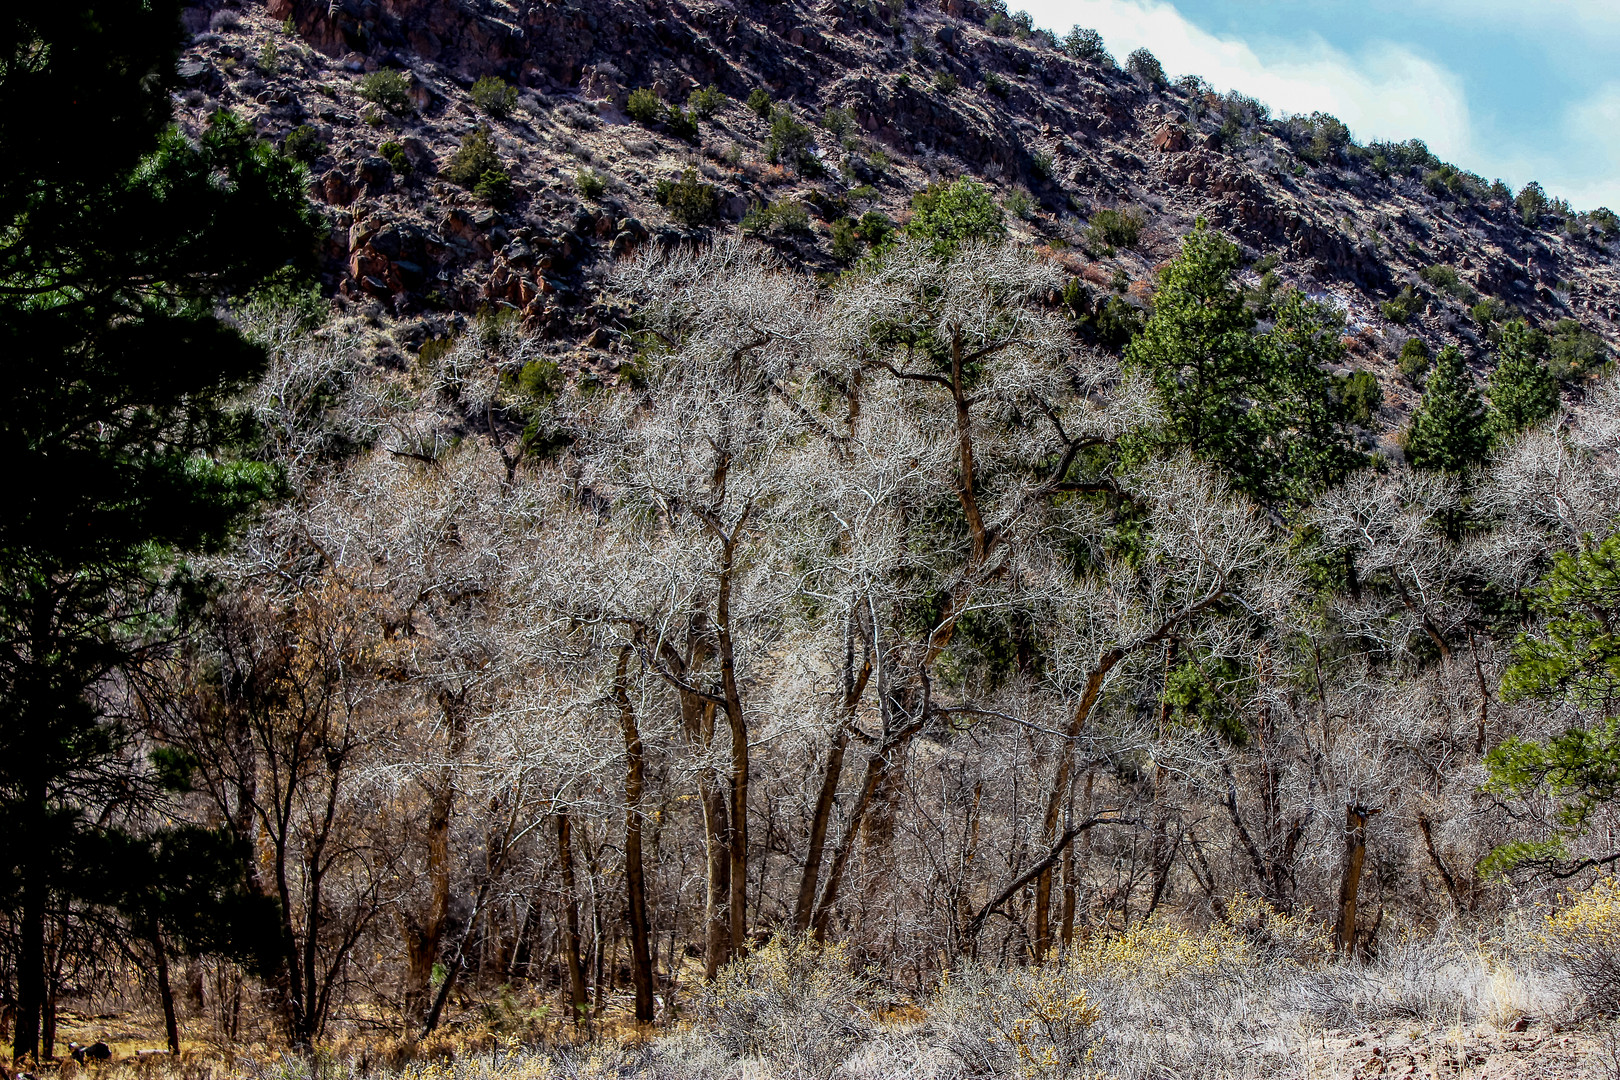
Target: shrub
point(760, 102)
point(996, 85)
point(846, 243)
point(269, 62)
point(874, 227)
point(689, 200)
point(303, 143)
point(1145, 66)
point(782, 219)
point(1583, 940)
point(945, 83)
point(838, 121)
point(388, 89)
point(494, 188)
point(1447, 280)
point(681, 125)
point(644, 107)
point(793, 1003)
point(475, 157)
point(1115, 324)
point(1605, 221)
point(950, 215)
point(1087, 45)
point(1401, 309)
point(705, 103)
point(1414, 361)
point(789, 143)
point(494, 96)
point(1030, 1023)
point(1361, 395)
point(1488, 311)
point(1574, 350)
point(1115, 228)
point(1041, 165)
point(1018, 203)
point(394, 154)
point(590, 183)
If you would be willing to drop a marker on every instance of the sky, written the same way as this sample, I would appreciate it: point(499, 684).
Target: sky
point(1518, 91)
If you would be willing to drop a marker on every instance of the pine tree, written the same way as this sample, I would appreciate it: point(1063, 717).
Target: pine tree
point(1449, 431)
point(116, 423)
point(1521, 389)
point(1199, 351)
point(1263, 406)
point(1574, 659)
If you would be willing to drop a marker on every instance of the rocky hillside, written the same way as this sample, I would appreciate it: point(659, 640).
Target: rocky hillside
point(856, 105)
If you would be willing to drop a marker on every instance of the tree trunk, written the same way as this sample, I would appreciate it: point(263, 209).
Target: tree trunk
point(571, 957)
point(1059, 791)
point(171, 1027)
point(804, 908)
point(1355, 854)
point(641, 969)
point(31, 958)
point(424, 936)
point(877, 769)
point(737, 726)
point(854, 687)
point(1483, 713)
point(717, 838)
point(1072, 868)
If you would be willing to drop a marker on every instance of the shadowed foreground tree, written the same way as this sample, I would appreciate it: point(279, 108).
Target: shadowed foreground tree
point(115, 418)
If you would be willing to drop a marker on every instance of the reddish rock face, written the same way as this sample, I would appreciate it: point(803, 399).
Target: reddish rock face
point(1170, 140)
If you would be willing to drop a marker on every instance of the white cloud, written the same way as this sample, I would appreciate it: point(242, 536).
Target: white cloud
point(1587, 175)
point(1388, 92)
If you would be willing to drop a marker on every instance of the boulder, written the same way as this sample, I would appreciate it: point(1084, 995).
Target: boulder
point(1170, 140)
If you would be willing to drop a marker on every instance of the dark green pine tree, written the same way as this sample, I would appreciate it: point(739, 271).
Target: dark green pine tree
point(1450, 431)
point(1306, 417)
point(1200, 353)
point(1521, 390)
point(116, 424)
point(1574, 657)
point(1263, 406)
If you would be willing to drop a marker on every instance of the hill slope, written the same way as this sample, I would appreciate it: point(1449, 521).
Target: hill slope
point(883, 99)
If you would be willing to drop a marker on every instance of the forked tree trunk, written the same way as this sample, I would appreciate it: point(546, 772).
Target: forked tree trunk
point(854, 687)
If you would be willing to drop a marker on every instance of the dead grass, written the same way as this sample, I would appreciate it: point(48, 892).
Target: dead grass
point(1254, 996)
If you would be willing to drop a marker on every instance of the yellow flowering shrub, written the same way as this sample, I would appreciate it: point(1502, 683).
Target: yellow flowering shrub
point(1047, 1021)
point(1583, 938)
point(1252, 933)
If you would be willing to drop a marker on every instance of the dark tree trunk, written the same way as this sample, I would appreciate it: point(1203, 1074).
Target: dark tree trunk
point(31, 958)
point(571, 958)
point(1355, 854)
point(171, 1026)
point(641, 969)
